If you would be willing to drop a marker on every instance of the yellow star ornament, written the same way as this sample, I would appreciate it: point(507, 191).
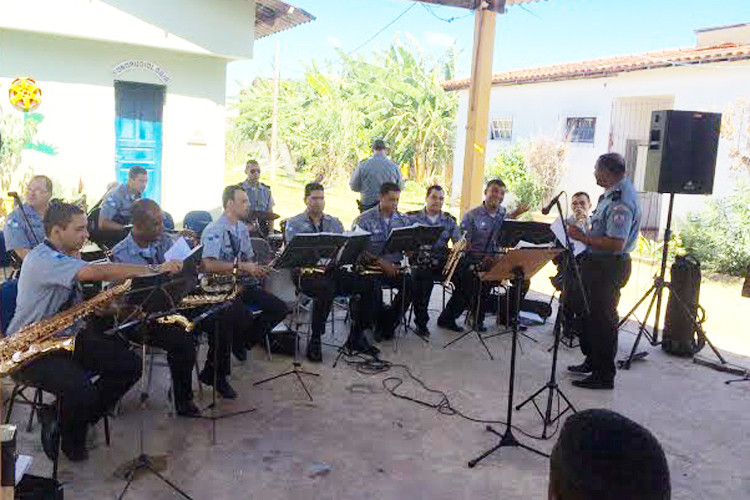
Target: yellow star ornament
point(24, 94)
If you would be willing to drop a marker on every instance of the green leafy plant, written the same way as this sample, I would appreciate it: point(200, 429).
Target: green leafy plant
point(510, 166)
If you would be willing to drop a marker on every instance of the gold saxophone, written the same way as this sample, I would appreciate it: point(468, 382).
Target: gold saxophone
point(176, 319)
point(206, 299)
point(39, 338)
point(454, 258)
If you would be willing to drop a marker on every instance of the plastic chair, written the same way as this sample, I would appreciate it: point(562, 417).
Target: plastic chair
point(168, 221)
point(197, 220)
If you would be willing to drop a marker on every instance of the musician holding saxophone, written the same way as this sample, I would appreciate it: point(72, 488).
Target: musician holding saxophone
point(323, 286)
point(48, 285)
point(226, 242)
point(424, 276)
point(378, 221)
point(147, 245)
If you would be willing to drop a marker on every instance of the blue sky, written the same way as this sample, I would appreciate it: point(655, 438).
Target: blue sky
point(540, 33)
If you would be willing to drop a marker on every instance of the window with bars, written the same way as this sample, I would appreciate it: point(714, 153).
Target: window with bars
point(580, 130)
point(501, 129)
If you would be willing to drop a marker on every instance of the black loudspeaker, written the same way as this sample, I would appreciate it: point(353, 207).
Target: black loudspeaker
point(682, 152)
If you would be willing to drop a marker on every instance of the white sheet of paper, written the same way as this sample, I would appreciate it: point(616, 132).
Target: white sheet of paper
point(23, 464)
point(557, 228)
point(178, 251)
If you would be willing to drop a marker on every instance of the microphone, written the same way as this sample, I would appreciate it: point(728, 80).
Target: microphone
point(552, 203)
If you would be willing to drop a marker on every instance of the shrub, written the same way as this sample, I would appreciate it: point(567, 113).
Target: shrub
point(510, 166)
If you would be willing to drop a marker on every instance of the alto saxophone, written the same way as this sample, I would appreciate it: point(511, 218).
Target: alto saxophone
point(454, 258)
point(40, 337)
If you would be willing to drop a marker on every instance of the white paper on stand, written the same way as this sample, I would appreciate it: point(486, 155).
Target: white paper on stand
point(178, 251)
point(557, 228)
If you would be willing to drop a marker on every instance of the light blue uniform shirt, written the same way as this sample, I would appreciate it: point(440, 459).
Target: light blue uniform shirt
point(259, 196)
point(221, 239)
point(117, 204)
point(380, 228)
point(47, 282)
point(128, 252)
point(444, 220)
point(482, 229)
point(18, 233)
point(372, 173)
point(303, 224)
point(617, 215)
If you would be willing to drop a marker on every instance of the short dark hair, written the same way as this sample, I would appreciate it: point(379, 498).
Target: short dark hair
point(251, 161)
point(47, 181)
point(136, 171)
point(494, 182)
point(142, 211)
point(379, 145)
point(613, 162)
point(434, 187)
point(59, 214)
point(313, 186)
point(601, 454)
point(388, 187)
point(583, 193)
point(228, 194)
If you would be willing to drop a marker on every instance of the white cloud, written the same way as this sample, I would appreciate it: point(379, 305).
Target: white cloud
point(333, 41)
point(439, 39)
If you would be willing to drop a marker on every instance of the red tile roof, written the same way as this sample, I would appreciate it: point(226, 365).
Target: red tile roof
point(612, 65)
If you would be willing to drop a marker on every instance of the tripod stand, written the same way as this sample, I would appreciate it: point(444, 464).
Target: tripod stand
point(507, 439)
point(142, 463)
point(655, 292)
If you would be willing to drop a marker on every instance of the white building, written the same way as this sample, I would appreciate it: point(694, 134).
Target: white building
point(133, 82)
point(606, 104)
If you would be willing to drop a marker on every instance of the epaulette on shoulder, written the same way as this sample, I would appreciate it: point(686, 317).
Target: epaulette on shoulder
point(413, 212)
point(450, 216)
point(616, 195)
point(265, 185)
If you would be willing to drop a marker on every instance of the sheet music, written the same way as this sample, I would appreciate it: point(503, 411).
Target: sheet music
point(180, 250)
point(557, 228)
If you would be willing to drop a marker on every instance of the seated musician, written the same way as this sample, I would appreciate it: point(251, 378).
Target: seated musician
point(146, 245)
point(324, 287)
point(379, 221)
point(482, 228)
point(259, 196)
point(48, 285)
point(423, 277)
point(117, 204)
point(24, 232)
point(225, 240)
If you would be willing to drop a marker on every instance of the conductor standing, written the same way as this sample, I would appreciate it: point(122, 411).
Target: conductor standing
point(372, 173)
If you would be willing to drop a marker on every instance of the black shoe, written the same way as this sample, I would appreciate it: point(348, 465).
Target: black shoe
point(584, 367)
point(592, 382)
point(187, 409)
point(423, 331)
point(314, 352)
point(449, 325)
point(479, 327)
point(50, 431)
point(222, 385)
point(239, 352)
point(75, 452)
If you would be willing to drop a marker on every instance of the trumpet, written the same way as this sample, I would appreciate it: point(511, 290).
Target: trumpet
point(454, 258)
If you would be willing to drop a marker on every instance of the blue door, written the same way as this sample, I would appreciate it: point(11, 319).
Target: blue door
point(138, 122)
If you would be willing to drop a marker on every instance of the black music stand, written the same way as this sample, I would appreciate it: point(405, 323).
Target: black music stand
point(516, 265)
point(416, 239)
point(306, 251)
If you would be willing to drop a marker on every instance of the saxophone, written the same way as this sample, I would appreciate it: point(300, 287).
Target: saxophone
point(207, 299)
point(39, 338)
point(454, 258)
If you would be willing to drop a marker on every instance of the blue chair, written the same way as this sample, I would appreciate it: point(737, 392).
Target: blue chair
point(197, 220)
point(168, 221)
point(8, 293)
point(5, 260)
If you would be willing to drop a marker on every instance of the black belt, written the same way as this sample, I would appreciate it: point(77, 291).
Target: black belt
point(607, 256)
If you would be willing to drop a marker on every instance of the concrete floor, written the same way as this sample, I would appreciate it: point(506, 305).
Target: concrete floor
point(356, 441)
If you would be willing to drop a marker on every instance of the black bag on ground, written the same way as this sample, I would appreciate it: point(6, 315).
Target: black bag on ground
point(682, 308)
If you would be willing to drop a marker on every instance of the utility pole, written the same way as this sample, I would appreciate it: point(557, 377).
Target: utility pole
point(275, 116)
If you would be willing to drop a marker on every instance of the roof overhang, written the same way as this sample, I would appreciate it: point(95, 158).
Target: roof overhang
point(496, 5)
point(274, 16)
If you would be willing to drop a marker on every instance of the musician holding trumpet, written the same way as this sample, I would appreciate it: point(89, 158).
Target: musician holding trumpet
point(48, 285)
point(324, 285)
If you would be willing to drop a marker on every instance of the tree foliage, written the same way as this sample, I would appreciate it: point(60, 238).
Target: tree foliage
point(329, 118)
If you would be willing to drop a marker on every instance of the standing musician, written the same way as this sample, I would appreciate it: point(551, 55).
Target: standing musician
point(482, 227)
point(379, 221)
point(423, 278)
point(146, 245)
point(372, 173)
point(226, 241)
point(258, 194)
point(606, 268)
point(24, 227)
point(117, 204)
point(324, 287)
point(48, 285)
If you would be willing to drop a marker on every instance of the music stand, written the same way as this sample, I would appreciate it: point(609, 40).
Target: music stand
point(414, 238)
point(516, 265)
point(306, 251)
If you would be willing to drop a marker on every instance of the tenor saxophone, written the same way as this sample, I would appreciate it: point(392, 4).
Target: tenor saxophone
point(454, 258)
point(41, 337)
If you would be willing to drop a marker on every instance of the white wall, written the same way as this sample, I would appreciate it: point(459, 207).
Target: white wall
point(220, 27)
point(541, 108)
point(78, 104)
